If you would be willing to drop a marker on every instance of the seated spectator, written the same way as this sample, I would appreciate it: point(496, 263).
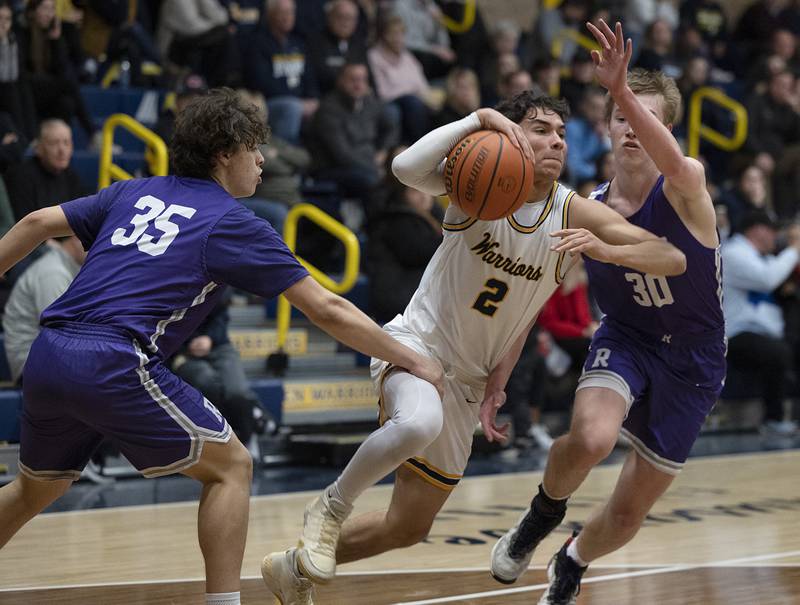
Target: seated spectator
point(503, 40)
point(187, 88)
point(338, 44)
point(281, 174)
point(463, 96)
point(426, 37)
point(505, 64)
point(754, 323)
point(210, 363)
point(53, 78)
point(395, 268)
point(16, 97)
point(639, 17)
point(526, 393)
point(12, 143)
point(774, 137)
point(399, 79)
point(43, 282)
point(567, 15)
point(750, 193)
point(658, 53)
point(194, 34)
point(353, 134)
point(581, 78)
point(546, 75)
point(111, 32)
point(587, 136)
point(245, 16)
point(46, 179)
point(278, 68)
point(709, 19)
point(514, 83)
point(568, 319)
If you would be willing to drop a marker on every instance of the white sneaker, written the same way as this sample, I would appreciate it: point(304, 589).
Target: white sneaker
point(540, 435)
point(504, 568)
point(279, 575)
point(316, 553)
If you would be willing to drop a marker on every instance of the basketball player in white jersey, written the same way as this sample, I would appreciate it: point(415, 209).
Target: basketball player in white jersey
point(477, 300)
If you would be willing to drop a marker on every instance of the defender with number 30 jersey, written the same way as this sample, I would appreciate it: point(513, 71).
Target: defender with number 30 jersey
point(662, 340)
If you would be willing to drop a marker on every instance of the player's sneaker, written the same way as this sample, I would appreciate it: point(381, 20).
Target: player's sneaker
point(316, 553)
point(512, 553)
point(564, 576)
point(283, 581)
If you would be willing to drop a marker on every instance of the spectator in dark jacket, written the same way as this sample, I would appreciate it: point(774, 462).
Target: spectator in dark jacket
point(353, 134)
point(338, 44)
point(395, 267)
point(278, 67)
point(46, 179)
point(210, 363)
point(12, 142)
point(16, 97)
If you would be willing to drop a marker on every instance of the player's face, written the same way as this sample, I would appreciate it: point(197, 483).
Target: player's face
point(243, 172)
point(624, 143)
point(545, 131)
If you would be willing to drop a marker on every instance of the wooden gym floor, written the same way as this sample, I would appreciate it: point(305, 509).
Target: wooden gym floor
point(728, 532)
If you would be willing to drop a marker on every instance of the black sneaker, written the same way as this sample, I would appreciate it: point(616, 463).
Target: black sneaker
point(564, 576)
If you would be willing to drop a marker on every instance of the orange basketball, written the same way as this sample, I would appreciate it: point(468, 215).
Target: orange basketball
point(486, 176)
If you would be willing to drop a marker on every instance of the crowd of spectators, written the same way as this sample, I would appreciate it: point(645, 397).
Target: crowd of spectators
point(342, 83)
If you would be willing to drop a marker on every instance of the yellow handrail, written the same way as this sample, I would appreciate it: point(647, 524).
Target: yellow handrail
point(156, 149)
point(351, 258)
point(565, 32)
point(467, 21)
point(551, 4)
point(696, 129)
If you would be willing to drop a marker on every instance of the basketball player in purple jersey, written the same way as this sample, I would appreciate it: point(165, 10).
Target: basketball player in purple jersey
point(657, 363)
point(159, 250)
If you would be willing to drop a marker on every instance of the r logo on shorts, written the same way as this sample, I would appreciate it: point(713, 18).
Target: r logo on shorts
point(601, 359)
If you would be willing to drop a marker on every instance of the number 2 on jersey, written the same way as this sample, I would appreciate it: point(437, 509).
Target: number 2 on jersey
point(488, 299)
point(650, 290)
point(158, 211)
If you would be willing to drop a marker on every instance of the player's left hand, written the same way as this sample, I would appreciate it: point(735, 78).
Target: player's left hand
point(611, 61)
point(488, 413)
point(582, 241)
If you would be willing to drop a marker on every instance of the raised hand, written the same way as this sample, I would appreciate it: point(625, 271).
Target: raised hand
point(611, 61)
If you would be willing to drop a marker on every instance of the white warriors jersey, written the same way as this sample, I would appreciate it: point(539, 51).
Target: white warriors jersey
point(485, 284)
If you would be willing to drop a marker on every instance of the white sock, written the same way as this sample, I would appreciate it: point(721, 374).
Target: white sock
point(222, 598)
point(415, 420)
point(572, 553)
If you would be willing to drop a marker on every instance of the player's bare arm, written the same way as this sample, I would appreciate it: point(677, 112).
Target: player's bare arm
point(29, 232)
point(422, 165)
point(604, 235)
point(346, 323)
point(494, 396)
point(684, 177)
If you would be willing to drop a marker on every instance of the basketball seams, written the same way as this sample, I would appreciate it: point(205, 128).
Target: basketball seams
point(510, 208)
point(491, 178)
point(463, 161)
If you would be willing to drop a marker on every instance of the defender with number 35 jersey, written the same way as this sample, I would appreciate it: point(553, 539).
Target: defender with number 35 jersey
point(159, 250)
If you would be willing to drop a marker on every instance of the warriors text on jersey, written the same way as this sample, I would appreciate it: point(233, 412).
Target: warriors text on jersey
point(682, 305)
point(485, 284)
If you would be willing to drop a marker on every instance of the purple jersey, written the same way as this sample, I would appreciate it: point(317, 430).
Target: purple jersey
point(682, 306)
point(159, 248)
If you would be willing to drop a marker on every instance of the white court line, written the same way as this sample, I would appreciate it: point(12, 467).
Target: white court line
point(660, 568)
point(597, 579)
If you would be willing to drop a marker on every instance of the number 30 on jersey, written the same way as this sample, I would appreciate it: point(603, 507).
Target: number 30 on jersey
point(650, 290)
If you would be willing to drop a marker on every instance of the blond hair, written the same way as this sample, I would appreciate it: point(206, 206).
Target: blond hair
point(644, 82)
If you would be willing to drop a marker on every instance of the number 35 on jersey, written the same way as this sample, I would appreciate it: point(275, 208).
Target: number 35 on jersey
point(159, 214)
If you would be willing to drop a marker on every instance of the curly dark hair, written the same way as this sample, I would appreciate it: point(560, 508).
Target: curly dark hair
point(518, 106)
point(211, 124)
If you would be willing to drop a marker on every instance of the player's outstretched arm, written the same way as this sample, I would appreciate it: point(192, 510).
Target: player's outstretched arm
point(29, 232)
point(685, 175)
point(604, 235)
point(347, 324)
